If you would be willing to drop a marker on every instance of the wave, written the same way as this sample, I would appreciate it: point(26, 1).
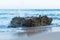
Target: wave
point(7, 15)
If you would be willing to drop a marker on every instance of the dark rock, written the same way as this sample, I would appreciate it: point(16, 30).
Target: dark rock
point(17, 22)
point(45, 20)
point(30, 22)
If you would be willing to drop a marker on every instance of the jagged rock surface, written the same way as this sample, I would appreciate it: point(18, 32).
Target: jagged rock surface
point(30, 22)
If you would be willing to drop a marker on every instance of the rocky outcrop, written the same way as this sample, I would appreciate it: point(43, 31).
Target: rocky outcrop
point(17, 22)
point(30, 22)
point(45, 20)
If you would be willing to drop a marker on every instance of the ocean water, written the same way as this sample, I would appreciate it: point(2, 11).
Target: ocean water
point(7, 14)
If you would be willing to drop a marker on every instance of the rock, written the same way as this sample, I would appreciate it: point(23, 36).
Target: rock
point(30, 22)
point(45, 20)
point(17, 22)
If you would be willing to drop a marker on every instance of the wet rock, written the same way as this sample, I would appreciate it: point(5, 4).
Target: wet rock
point(45, 20)
point(30, 22)
point(17, 22)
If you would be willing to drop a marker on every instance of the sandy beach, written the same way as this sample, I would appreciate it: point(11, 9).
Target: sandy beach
point(38, 36)
point(52, 34)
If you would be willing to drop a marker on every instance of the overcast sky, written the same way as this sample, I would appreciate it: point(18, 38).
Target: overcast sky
point(29, 4)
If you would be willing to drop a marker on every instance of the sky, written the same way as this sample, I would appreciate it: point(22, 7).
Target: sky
point(29, 4)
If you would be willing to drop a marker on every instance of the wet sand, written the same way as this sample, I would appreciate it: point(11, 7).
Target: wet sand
point(38, 36)
point(51, 34)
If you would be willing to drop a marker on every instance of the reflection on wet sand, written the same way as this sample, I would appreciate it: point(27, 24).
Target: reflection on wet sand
point(33, 30)
point(25, 34)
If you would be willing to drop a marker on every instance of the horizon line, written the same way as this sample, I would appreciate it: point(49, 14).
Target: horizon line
point(31, 9)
